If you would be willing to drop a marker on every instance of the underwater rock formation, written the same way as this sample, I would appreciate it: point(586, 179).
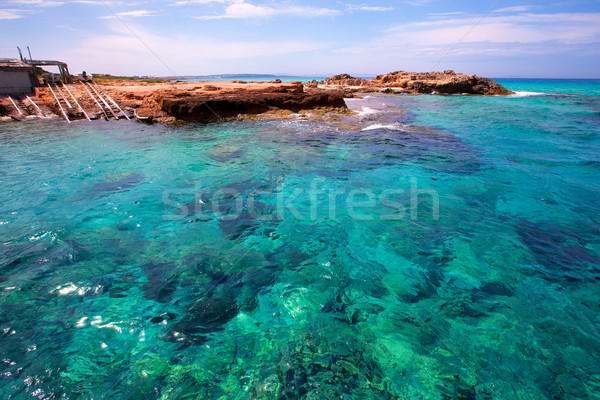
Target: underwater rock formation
point(203, 317)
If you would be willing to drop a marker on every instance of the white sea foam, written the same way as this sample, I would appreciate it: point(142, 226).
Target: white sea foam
point(391, 127)
point(527, 94)
point(367, 111)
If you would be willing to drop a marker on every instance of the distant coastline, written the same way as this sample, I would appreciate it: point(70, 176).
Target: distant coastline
point(252, 77)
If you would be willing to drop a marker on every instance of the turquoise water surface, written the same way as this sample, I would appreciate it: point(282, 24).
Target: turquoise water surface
point(581, 87)
point(426, 247)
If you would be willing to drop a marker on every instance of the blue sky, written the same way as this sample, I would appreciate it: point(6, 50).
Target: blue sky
point(496, 38)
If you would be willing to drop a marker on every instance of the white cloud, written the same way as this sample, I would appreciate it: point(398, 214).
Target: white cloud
point(136, 13)
point(417, 3)
point(191, 2)
point(369, 8)
point(68, 28)
point(98, 2)
point(247, 10)
point(425, 42)
point(239, 9)
point(353, 7)
point(515, 9)
point(522, 28)
point(10, 14)
point(446, 14)
point(122, 53)
point(38, 3)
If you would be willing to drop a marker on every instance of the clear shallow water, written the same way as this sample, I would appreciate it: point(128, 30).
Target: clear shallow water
point(583, 87)
point(292, 259)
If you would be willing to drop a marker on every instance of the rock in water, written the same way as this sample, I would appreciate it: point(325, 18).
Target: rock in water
point(118, 183)
point(205, 316)
point(204, 107)
point(162, 282)
point(447, 82)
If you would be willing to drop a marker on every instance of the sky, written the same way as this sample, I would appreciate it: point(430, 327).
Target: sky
point(492, 38)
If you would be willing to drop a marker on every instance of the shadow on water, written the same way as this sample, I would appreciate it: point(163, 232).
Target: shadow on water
point(376, 148)
point(562, 251)
point(116, 183)
point(202, 318)
point(430, 149)
point(161, 282)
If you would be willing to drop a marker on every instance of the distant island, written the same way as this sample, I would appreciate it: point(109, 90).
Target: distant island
point(229, 77)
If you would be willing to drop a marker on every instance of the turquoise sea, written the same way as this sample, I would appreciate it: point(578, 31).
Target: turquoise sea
point(425, 247)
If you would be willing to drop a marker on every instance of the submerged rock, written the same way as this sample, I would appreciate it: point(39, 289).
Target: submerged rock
point(561, 250)
point(117, 184)
point(162, 292)
point(225, 153)
point(203, 317)
point(161, 284)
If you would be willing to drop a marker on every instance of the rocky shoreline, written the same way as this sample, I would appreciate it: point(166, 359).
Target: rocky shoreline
point(202, 101)
point(208, 101)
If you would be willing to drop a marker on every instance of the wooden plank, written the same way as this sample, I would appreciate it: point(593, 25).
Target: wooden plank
point(105, 103)
point(93, 98)
point(63, 96)
point(14, 104)
point(36, 106)
point(114, 102)
point(76, 102)
point(60, 105)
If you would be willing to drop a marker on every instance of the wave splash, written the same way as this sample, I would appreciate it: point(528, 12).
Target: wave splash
point(391, 127)
point(528, 94)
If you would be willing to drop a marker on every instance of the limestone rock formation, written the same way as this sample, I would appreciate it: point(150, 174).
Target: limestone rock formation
point(202, 107)
point(447, 82)
point(346, 80)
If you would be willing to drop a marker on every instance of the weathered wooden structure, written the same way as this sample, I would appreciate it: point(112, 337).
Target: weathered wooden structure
point(65, 76)
point(19, 76)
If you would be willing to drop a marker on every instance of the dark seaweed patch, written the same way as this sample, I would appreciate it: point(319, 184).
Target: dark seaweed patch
point(205, 316)
point(494, 289)
point(561, 250)
point(124, 182)
point(161, 284)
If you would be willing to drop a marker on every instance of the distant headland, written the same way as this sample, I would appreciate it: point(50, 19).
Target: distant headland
point(447, 82)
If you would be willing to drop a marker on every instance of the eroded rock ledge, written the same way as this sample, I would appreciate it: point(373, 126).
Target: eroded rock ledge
point(207, 107)
point(206, 101)
point(447, 82)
